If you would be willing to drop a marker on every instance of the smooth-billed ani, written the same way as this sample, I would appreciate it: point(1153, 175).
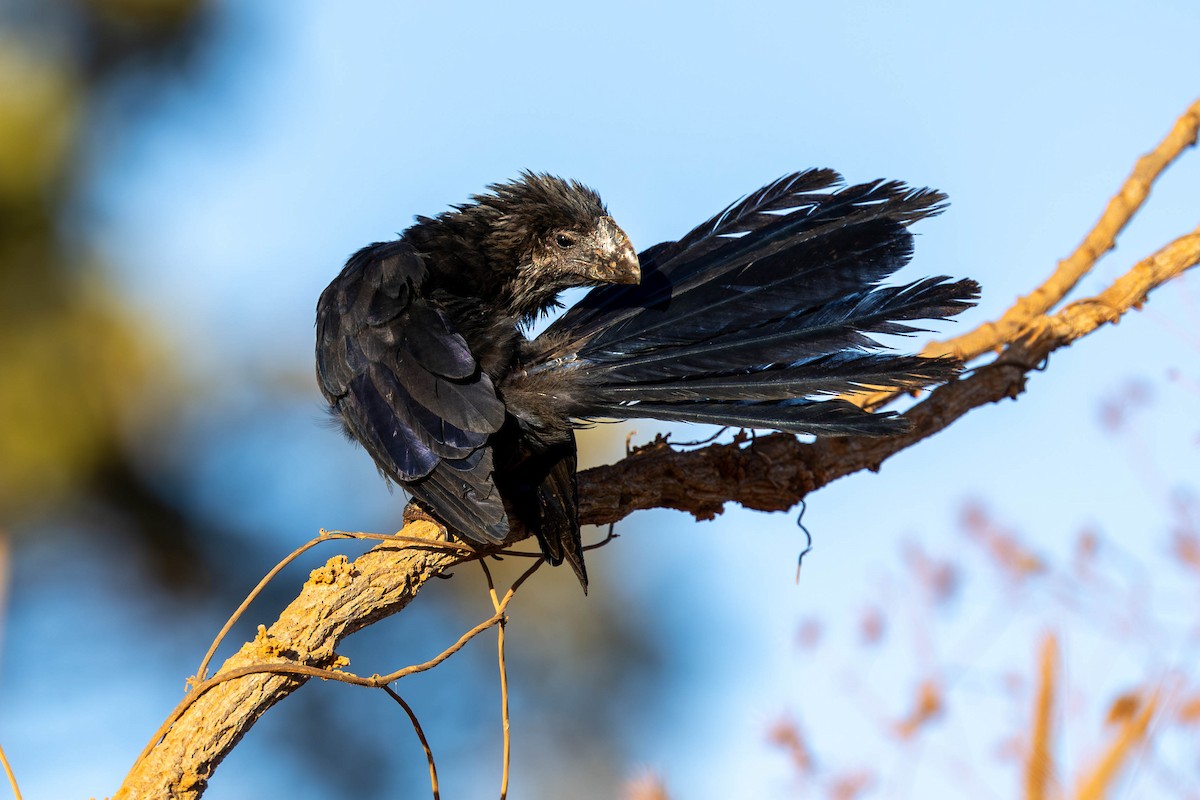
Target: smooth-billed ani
point(757, 318)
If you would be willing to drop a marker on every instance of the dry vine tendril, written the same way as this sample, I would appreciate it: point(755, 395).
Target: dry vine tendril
point(337, 673)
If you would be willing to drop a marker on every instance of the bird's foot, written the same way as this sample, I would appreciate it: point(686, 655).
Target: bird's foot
point(413, 513)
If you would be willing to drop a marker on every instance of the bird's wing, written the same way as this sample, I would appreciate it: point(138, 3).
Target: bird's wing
point(804, 239)
point(756, 314)
point(407, 387)
point(669, 269)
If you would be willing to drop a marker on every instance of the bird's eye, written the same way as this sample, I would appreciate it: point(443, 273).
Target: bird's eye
point(565, 241)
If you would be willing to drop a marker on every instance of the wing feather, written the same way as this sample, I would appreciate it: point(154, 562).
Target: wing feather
point(407, 387)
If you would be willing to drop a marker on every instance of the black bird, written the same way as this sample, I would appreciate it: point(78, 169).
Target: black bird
point(757, 318)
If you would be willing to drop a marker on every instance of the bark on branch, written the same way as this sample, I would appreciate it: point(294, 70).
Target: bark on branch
point(774, 473)
point(767, 473)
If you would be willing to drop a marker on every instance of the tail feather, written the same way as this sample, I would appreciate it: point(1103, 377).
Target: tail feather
point(824, 417)
point(833, 374)
point(747, 234)
point(833, 327)
point(751, 315)
point(809, 274)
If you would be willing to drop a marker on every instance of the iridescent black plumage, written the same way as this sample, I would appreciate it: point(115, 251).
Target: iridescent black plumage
point(748, 320)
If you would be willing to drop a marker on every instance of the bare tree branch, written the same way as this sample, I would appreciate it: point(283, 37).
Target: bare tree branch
point(1098, 241)
point(337, 600)
point(1039, 762)
point(767, 473)
point(775, 472)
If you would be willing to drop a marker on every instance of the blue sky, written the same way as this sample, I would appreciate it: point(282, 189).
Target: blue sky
point(329, 125)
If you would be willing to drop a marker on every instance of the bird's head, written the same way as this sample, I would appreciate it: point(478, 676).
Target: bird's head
point(547, 234)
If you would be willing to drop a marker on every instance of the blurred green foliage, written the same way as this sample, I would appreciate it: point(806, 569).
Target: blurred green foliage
point(40, 110)
point(72, 357)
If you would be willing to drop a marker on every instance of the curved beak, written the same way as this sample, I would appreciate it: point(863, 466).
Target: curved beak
point(615, 259)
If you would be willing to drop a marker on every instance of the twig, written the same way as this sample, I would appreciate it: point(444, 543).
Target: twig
point(777, 471)
point(609, 537)
point(1039, 769)
point(323, 536)
point(202, 670)
point(433, 778)
point(503, 709)
point(338, 600)
point(1133, 733)
point(247, 685)
point(506, 748)
point(12, 779)
point(308, 671)
point(499, 607)
point(704, 441)
point(1099, 240)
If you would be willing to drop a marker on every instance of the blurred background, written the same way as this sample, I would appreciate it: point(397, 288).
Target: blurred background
point(179, 179)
